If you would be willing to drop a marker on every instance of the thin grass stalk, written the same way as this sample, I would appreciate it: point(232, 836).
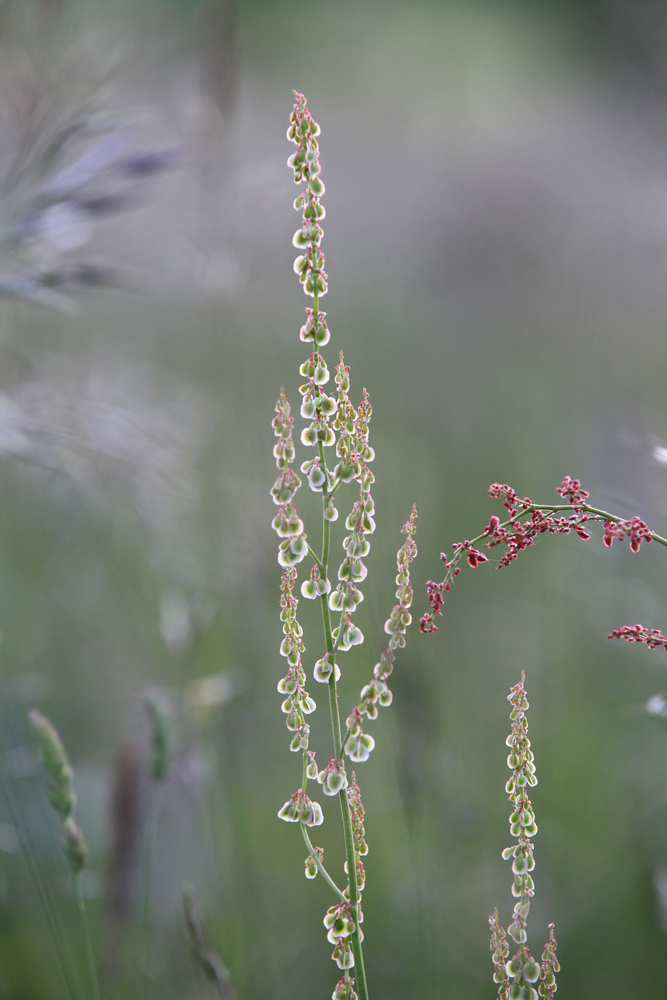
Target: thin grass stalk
point(49, 911)
point(87, 940)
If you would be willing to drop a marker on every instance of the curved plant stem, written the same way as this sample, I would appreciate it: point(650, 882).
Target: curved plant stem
point(50, 914)
point(320, 867)
point(90, 955)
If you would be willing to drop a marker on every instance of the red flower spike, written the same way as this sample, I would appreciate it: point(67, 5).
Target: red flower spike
point(638, 633)
point(525, 523)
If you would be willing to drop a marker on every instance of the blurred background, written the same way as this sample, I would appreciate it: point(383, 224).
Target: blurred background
point(496, 244)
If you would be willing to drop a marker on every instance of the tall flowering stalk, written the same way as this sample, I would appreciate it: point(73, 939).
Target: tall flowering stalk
point(515, 976)
point(332, 423)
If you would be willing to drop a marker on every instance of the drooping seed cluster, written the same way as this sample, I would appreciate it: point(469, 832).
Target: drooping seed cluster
point(357, 744)
point(516, 975)
point(637, 633)
point(298, 702)
point(358, 832)
point(635, 529)
point(526, 523)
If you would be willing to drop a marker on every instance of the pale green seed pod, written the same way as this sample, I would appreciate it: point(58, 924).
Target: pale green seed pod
point(359, 749)
point(311, 771)
point(531, 972)
point(322, 670)
point(311, 868)
point(289, 812)
point(513, 966)
point(316, 478)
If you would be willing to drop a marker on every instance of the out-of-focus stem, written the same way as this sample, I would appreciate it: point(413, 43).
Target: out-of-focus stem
point(88, 944)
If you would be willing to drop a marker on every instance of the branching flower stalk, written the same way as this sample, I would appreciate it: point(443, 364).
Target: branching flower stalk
point(528, 521)
point(515, 976)
point(332, 421)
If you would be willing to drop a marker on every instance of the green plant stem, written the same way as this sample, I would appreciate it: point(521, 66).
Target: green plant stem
point(304, 780)
point(320, 867)
point(360, 972)
point(90, 955)
point(148, 888)
point(50, 914)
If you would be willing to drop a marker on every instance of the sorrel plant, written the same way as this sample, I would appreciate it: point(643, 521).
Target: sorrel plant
point(526, 522)
point(333, 424)
point(515, 976)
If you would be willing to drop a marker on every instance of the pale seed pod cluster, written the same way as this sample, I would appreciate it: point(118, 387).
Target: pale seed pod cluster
point(340, 924)
point(334, 427)
point(515, 976)
point(358, 832)
point(358, 744)
point(298, 702)
point(344, 990)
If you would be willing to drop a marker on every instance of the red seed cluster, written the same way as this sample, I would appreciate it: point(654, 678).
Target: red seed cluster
point(635, 529)
point(570, 490)
point(526, 522)
point(637, 633)
point(436, 600)
point(518, 535)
